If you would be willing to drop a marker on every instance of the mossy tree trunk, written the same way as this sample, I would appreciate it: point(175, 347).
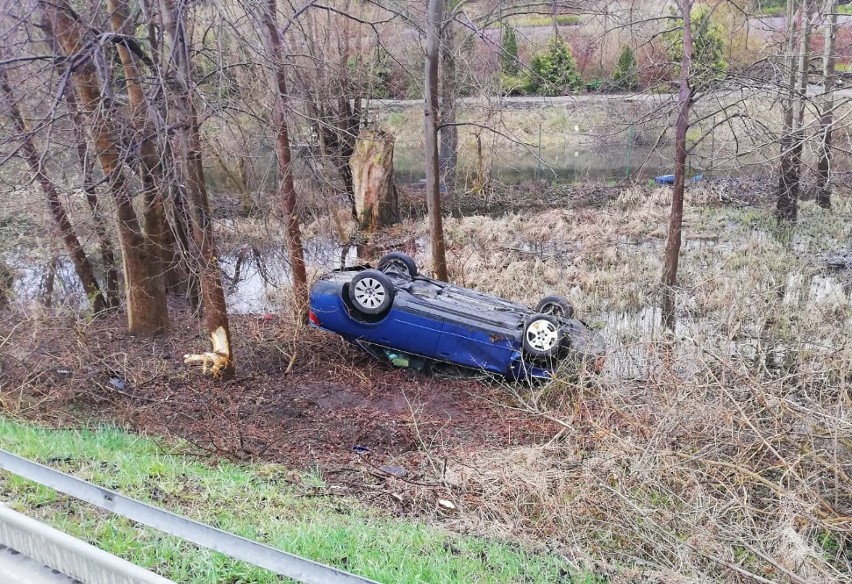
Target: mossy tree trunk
point(376, 202)
point(147, 311)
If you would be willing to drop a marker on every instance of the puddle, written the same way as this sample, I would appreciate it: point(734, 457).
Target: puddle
point(51, 282)
point(818, 289)
point(258, 281)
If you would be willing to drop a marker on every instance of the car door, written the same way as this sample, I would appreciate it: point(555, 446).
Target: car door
point(476, 333)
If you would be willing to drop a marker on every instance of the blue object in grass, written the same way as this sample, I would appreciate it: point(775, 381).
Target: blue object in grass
point(668, 179)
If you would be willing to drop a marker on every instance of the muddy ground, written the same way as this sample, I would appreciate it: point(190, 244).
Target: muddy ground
point(324, 406)
point(302, 397)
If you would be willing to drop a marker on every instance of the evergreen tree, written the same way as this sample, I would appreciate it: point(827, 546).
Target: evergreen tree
point(708, 56)
point(626, 74)
point(509, 51)
point(553, 71)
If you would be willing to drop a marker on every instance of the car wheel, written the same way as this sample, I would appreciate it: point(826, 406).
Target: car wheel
point(542, 336)
point(371, 292)
point(397, 262)
point(558, 306)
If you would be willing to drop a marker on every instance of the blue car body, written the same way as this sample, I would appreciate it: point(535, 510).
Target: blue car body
point(668, 179)
point(435, 321)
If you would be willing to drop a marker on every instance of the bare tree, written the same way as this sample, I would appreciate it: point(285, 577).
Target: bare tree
point(146, 300)
point(797, 50)
point(673, 239)
point(87, 165)
point(87, 168)
point(826, 121)
point(448, 152)
point(54, 203)
point(212, 292)
point(332, 84)
point(433, 179)
point(151, 172)
point(285, 171)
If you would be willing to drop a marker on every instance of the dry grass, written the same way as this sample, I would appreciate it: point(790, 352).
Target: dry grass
point(721, 474)
point(721, 455)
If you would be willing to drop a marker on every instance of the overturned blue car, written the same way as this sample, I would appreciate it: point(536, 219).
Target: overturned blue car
point(410, 320)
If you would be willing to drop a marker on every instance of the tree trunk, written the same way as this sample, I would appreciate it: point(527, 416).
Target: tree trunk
point(673, 239)
point(448, 155)
point(212, 292)
point(826, 121)
point(788, 183)
point(801, 96)
point(6, 281)
point(237, 178)
point(430, 139)
point(336, 126)
point(101, 230)
point(147, 311)
point(181, 278)
point(151, 171)
point(349, 121)
point(54, 204)
point(376, 201)
point(87, 168)
point(285, 172)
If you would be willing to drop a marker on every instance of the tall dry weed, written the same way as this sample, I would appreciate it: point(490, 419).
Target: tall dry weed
point(719, 475)
point(721, 454)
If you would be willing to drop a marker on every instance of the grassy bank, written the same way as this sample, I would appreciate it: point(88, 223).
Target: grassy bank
point(291, 511)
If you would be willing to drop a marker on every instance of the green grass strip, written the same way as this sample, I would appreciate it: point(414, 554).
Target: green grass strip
point(257, 501)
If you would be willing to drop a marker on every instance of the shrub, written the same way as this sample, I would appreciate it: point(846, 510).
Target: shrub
point(709, 63)
point(513, 84)
point(509, 51)
point(626, 74)
point(553, 71)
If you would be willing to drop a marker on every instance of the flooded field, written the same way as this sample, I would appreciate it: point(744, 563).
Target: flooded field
point(257, 281)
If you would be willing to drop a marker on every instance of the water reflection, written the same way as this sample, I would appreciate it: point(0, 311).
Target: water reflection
point(49, 282)
point(258, 281)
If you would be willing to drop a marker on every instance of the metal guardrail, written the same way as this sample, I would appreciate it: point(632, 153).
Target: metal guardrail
point(234, 546)
point(37, 545)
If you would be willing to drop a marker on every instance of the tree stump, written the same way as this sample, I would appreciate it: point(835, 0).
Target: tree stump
point(376, 201)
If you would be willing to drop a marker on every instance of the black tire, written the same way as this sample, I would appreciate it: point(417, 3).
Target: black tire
point(371, 292)
point(397, 262)
point(557, 306)
point(542, 336)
